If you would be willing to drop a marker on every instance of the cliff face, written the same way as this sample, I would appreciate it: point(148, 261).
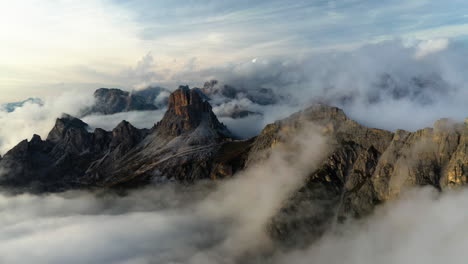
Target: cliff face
point(367, 167)
point(189, 143)
point(187, 110)
point(56, 163)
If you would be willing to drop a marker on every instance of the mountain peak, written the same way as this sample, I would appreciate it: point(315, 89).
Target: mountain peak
point(112, 100)
point(64, 124)
point(188, 108)
point(184, 101)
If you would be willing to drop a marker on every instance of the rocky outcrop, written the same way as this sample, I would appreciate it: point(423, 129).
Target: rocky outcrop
point(187, 111)
point(112, 100)
point(366, 167)
point(189, 143)
point(57, 163)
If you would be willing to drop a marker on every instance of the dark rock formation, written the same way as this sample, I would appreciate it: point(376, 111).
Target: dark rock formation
point(189, 143)
point(184, 146)
point(57, 163)
point(111, 101)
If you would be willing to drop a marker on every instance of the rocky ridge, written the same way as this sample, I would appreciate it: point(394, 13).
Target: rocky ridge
point(189, 143)
point(366, 168)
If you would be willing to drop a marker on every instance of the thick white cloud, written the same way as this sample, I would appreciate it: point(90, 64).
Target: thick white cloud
point(39, 119)
point(139, 119)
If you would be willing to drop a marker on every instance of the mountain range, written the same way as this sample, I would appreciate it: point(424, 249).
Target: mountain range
point(363, 168)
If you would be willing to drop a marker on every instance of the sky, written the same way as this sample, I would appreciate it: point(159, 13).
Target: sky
point(48, 47)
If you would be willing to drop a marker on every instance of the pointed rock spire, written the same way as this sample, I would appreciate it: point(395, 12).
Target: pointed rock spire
point(65, 124)
point(187, 110)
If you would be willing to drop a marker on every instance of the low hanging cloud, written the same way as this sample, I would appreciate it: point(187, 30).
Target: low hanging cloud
point(139, 119)
point(207, 223)
point(422, 227)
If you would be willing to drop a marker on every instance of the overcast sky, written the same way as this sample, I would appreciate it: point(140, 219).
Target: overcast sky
point(52, 46)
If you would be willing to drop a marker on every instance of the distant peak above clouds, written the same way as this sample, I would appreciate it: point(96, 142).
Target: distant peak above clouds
point(10, 107)
point(112, 100)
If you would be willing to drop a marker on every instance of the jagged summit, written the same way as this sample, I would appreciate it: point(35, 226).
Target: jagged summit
point(63, 125)
point(126, 135)
point(189, 109)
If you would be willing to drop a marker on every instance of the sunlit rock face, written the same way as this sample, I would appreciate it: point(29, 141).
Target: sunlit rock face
point(187, 110)
point(366, 167)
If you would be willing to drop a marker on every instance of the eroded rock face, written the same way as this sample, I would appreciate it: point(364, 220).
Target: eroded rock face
point(187, 110)
point(188, 144)
point(367, 167)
